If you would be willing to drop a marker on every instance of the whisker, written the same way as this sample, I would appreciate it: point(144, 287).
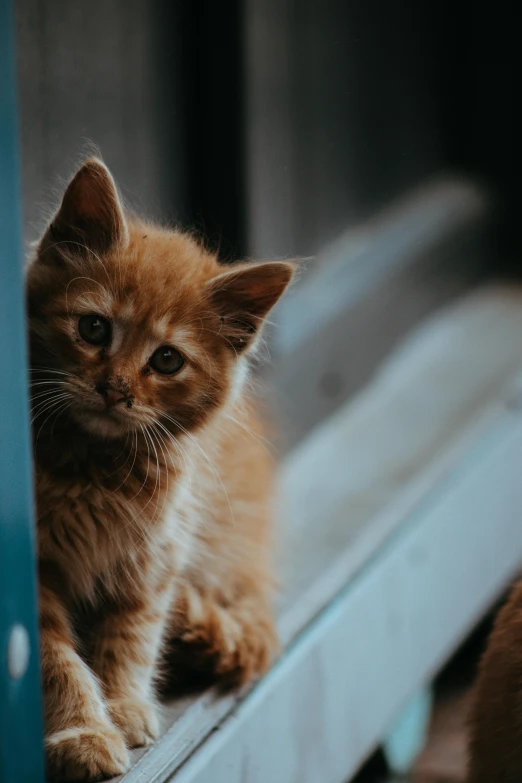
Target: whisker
point(84, 293)
point(123, 449)
point(145, 534)
point(132, 520)
point(147, 473)
point(48, 383)
point(178, 448)
point(88, 249)
point(259, 438)
point(79, 277)
point(46, 404)
point(209, 461)
point(52, 413)
point(45, 393)
point(157, 482)
point(51, 370)
point(157, 423)
point(135, 442)
point(58, 416)
point(160, 513)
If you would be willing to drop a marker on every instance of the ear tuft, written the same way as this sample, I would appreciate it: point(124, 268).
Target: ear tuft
point(91, 215)
point(244, 296)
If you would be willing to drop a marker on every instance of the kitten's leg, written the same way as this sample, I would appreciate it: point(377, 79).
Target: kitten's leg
point(125, 659)
point(222, 620)
point(229, 637)
point(82, 743)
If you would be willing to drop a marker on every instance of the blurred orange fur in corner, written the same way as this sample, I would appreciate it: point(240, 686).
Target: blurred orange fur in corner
point(496, 718)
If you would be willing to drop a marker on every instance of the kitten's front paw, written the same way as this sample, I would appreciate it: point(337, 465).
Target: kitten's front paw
point(86, 754)
point(138, 720)
point(233, 645)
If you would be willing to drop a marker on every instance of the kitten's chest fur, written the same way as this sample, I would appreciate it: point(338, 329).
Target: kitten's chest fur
point(101, 524)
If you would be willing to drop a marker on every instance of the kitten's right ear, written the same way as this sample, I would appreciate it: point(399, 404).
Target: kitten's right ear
point(244, 296)
point(91, 216)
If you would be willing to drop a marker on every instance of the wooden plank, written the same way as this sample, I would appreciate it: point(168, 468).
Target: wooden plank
point(329, 701)
point(361, 471)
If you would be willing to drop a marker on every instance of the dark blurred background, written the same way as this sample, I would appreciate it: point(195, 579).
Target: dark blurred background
point(271, 125)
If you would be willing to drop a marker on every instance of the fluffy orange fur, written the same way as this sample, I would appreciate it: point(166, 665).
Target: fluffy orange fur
point(153, 484)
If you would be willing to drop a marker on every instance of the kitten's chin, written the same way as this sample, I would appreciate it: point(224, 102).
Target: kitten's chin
point(103, 425)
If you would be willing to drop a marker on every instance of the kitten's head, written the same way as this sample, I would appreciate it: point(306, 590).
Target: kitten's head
point(131, 324)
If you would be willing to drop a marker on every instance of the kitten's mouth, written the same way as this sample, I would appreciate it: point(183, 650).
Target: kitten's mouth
point(104, 422)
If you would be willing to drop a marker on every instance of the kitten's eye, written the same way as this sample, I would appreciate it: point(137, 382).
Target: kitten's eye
point(94, 329)
point(166, 360)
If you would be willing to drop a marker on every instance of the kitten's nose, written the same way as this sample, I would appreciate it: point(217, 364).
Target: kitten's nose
point(111, 396)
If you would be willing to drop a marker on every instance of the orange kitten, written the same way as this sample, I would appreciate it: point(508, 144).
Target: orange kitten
point(153, 490)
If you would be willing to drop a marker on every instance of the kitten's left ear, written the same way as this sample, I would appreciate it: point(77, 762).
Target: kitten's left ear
point(244, 296)
point(91, 215)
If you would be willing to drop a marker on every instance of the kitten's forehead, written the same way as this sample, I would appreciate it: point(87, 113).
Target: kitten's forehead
point(166, 329)
point(99, 300)
point(161, 326)
point(127, 311)
point(159, 318)
point(170, 254)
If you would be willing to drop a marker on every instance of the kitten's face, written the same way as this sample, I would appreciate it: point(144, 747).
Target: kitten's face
point(136, 327)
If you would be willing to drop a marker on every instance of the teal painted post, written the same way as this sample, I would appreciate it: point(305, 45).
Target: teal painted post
point(21, 758)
